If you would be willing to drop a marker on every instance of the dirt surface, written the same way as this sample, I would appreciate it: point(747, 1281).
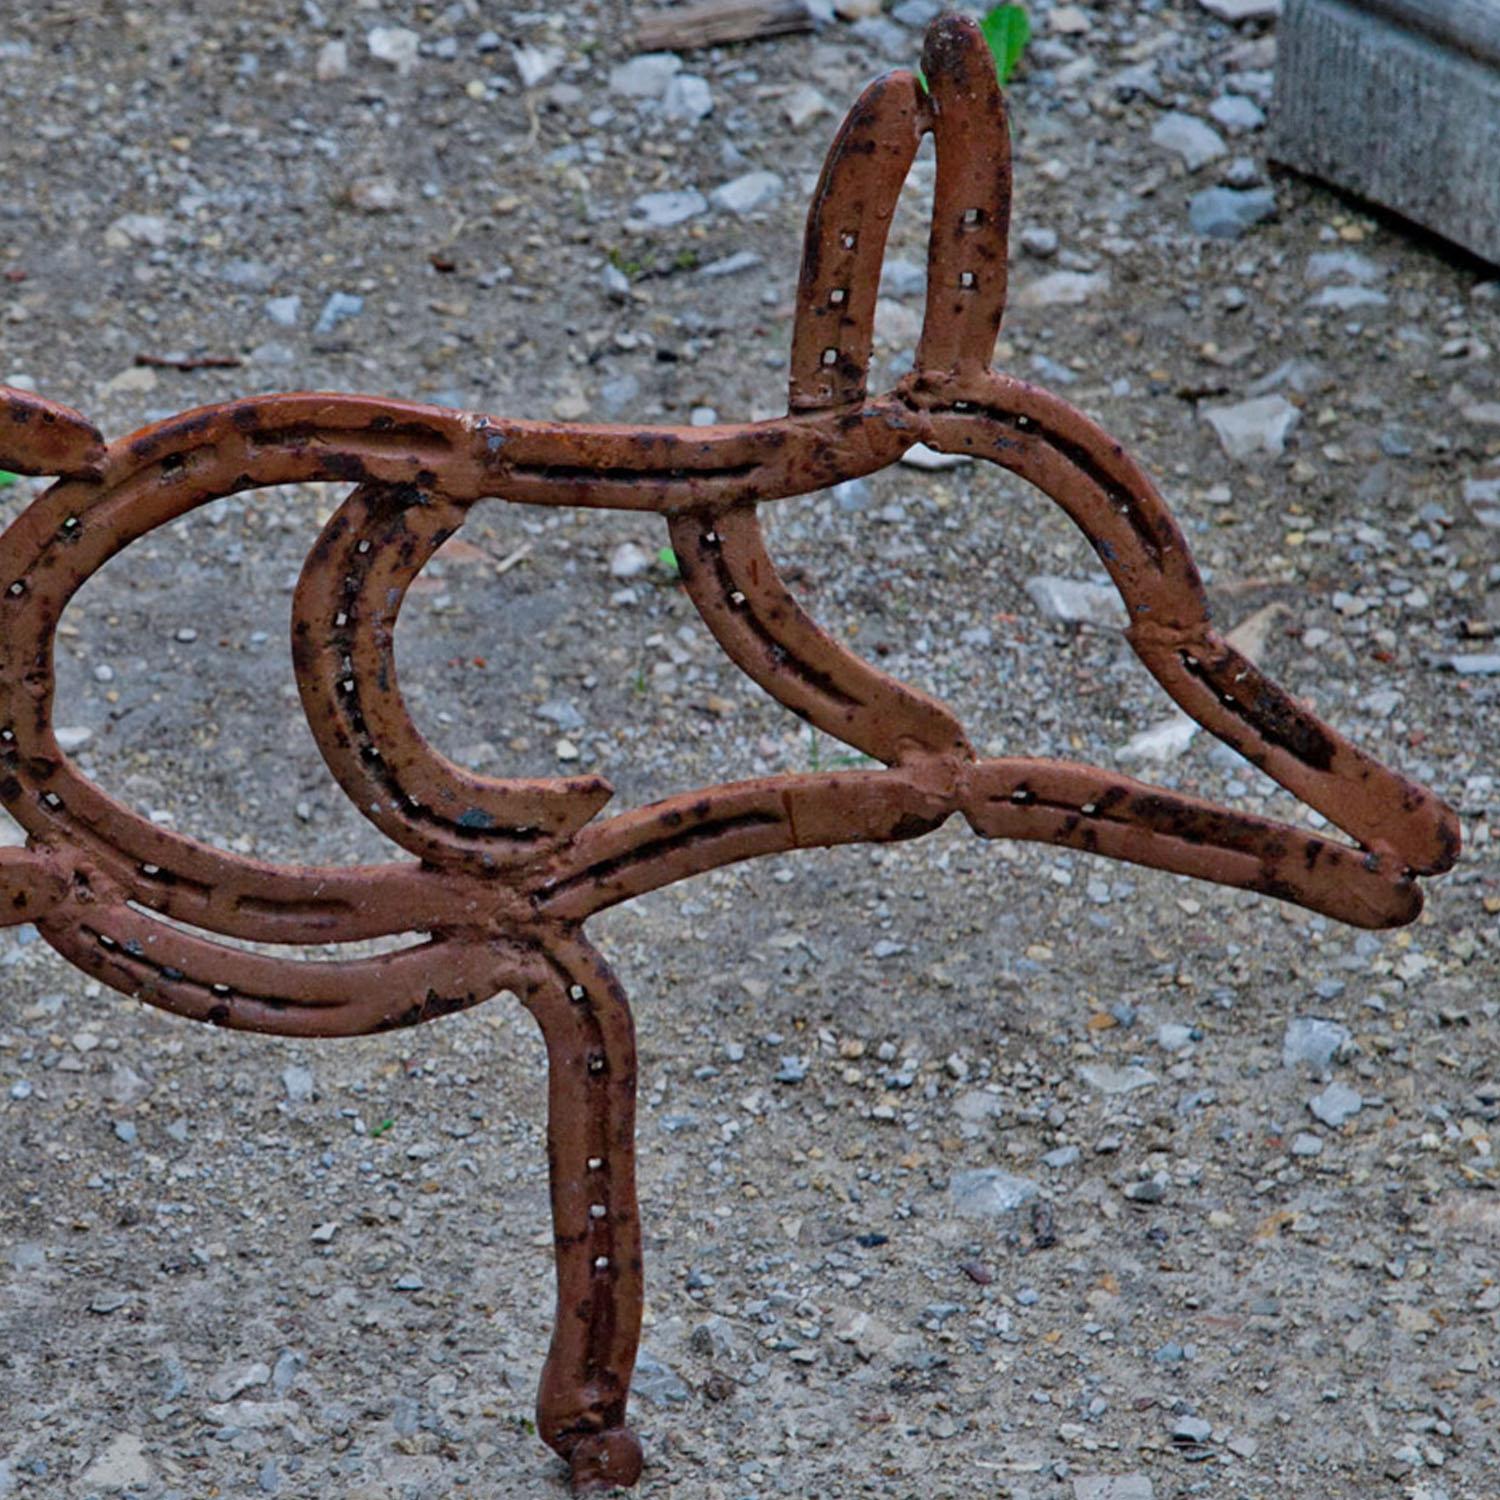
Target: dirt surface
point(238, 1266)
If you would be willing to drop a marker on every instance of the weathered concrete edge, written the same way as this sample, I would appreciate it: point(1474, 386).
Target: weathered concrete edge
point(1405, 118)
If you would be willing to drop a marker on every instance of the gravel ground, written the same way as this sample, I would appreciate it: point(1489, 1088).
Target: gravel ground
point(967, 1170)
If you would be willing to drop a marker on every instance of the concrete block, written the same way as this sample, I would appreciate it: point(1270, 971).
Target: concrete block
point(1397, 101)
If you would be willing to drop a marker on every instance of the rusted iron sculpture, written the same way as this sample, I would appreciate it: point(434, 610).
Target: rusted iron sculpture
point(508, 871)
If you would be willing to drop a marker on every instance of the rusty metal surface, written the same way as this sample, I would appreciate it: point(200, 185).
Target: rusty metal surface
point(507, 871)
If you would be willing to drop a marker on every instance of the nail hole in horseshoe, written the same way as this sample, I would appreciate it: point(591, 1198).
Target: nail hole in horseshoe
point(972, 216)
point(601, 1263)
point(577, 992)
point(849, 239)
point(597, 1210)
point(16, 589)
point(967, 279)
point(830, 356)
point(837, 296)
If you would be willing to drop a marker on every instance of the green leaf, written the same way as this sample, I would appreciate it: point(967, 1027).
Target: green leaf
point(1007, 29)
point(668, 559)
point(6, 479)
point(381, 1128)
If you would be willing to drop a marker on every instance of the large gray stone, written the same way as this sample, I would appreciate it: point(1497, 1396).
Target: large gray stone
point(987, 1192)
point(1186, 135)
point(1398, 101)
point(1255, 427)
point(1221, 213)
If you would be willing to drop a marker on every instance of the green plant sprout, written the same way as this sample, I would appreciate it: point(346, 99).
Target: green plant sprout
point(1007, 29)
point(7, 479)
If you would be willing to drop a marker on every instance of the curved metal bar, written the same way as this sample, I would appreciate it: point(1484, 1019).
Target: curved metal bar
point(343, 647)
point(847, 224)
point(591, 1071)
point(731, 578)
point(968, 246)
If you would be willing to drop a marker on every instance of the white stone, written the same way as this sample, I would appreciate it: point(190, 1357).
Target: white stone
point(628, 561)
point(395, 45)
point(1336, 1104)
point(1164, 741)
point(745, 194)
point(332, 63)
point(230, 1383)
point(533, 64)
point(857, 10)
point(803, 105)
point(1105, 1079)
point(646, 76)
point(987, 1192)
point(285, 312)
point(1252, 428)
point(258, 1416)
point(1063, 289)
point(1347, 298)
point(1068, 20)
point(1237, 114)
point(1076, 601)
point(665, 209)
point(134, 380)
point(375, 195)
point(299, 1082)
point(1313, 1041)
point(1186, 135)
point(1343, 265)
point(1173, 1036)
point(1487, 665)
point(136, 229)
point(122, 1464)
point(688, 97)
point(920, 456)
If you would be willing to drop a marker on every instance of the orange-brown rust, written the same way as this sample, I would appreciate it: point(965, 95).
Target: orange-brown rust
point(508, 870)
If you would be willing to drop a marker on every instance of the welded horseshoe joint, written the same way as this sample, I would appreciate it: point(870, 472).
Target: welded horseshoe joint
point(506, 871)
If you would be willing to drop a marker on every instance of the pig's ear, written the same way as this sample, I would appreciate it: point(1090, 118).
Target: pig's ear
point(966, 257)
point(41, 437)
point(847, 227)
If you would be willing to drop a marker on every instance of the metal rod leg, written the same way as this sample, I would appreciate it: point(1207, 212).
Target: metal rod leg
point(586, 1022)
